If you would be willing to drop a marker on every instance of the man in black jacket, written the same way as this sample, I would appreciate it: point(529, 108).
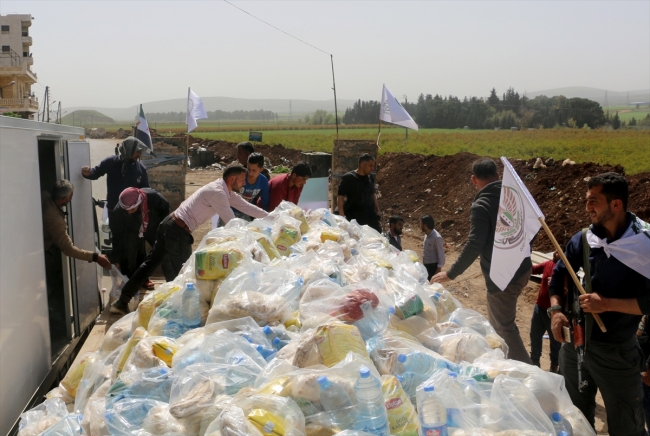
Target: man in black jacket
point(501, 305)
point(618, 290)
point(356, 194)
point(135, 220)
point(394, 233)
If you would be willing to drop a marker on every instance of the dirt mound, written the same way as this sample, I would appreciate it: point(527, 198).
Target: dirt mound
point(226, 152)
point(413, 185)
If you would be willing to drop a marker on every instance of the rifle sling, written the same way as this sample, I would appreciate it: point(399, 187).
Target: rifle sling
point(589, 318)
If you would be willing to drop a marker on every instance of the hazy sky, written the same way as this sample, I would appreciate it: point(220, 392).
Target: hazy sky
point(120, 53)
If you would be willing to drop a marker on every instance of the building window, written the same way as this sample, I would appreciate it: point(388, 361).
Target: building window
point(5, 48)
point(5, 29)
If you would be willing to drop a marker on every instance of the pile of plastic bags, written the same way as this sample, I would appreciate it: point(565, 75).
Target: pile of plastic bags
point(302, 324)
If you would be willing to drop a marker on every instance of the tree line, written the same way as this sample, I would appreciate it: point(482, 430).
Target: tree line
point(505, 111)
point(218, 115)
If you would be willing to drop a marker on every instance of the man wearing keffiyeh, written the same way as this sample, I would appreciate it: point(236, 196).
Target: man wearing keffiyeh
point(135, 219)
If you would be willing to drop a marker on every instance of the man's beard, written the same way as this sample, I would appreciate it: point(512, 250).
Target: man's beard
point(397, 232)
point(603, 218)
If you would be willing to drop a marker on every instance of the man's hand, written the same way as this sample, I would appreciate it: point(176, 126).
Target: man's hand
point(645, 377)
point(117, 265)
point(558, 320)
point(593, 303)
point(103, 261)
point(85, 170)
point(441, 277)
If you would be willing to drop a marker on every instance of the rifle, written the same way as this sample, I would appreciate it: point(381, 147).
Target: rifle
point(577, 325)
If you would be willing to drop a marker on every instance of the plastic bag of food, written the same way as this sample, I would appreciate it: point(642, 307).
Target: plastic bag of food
point(443, 300)
point(414, 311)
point(93, 414)
point(71, 380)
point(167, 319)
point(151, 352)
point(70, 425)
point(42, 417)
point(286, 232)
point(152, 383)
point(402, 417)
point(456, 344)
point(513, 407)
point(153, 300)
point(335, 340)
point(95, 374)
point(477, 322)
point(321, 215)
point(408, 262)
point(139, 334)
point(159, 422)
point(266, 293)
point(117, 334)
point(217, 261)
point(295, 212)
point(127, 415)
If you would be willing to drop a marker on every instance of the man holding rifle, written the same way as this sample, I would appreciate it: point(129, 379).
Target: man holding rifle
point(617, 280)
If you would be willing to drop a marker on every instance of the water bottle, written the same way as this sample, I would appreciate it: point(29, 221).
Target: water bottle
point(279, 344)
point(333, 398)
point(560, 424)
point(191, 307)
point(432, 414)
point(373, 321)
point(373, 417)
point(270, 334)
point(267, 353)
point(410, 382)
point(422, 363)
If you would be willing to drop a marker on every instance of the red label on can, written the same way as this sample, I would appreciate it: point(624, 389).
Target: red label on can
point(393, 403)
point(224, 261)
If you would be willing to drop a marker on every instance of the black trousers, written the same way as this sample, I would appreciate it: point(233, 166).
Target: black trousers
point(171, 241)
point(540, 324)
point(431, 269)
point(615, 369)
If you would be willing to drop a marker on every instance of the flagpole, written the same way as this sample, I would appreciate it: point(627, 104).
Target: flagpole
point(570, 269)
point(378, 131)
point(336, 110)
point(187, 140)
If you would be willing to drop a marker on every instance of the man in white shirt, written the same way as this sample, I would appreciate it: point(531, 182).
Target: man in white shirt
point(174, 236)
point(433, 256)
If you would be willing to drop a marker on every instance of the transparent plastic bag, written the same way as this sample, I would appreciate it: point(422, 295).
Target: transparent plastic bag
point(159, 422)
point(74, 375)
point(147, 306)
point(289, 209)
point(118, 280)
point(286, 232)
point(70, 425)
point(95, 375)
point(151, 352)
point(42, 417)
point(402, 417)
point(456, 344)
point(266, 293)
point(480, 324)
point(513, 407)
point(445, 303)
point(117, 334)
point(93, 414)
point(127, 415)
point(139, 334)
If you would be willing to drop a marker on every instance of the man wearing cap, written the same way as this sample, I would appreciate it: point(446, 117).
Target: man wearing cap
point(174, 236)
point(135, 220)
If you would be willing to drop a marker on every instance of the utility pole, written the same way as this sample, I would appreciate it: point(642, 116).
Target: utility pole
point(47, 91)
point(406, 102)
point(290, 112)
point(58, 114)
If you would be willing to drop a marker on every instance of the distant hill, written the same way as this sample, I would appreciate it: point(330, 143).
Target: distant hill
point(602, 96)
point(85, 117)
point(280, 106)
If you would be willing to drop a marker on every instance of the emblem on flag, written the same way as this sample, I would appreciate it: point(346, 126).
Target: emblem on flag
point(511, 216)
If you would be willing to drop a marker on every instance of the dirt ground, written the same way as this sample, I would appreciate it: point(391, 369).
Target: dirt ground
point(469, 288)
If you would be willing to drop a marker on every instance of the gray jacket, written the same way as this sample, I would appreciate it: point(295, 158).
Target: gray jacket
point(483, 217)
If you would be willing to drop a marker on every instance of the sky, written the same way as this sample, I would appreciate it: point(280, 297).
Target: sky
point(120, 53)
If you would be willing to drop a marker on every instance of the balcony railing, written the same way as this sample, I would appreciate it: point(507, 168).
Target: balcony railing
point(20, 104)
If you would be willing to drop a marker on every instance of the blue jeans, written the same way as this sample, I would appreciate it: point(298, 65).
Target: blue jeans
point(540, 324)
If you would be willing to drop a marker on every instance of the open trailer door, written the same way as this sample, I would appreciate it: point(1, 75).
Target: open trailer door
point(81, 222)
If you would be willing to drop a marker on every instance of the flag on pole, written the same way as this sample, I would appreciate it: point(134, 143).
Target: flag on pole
point(393, 112)
point(517, 224)
point(142, 130)
point(195, 110)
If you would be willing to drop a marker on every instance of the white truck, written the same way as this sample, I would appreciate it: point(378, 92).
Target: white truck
point(33, 356)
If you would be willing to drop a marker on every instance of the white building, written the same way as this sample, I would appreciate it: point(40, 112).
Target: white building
point(16, 76)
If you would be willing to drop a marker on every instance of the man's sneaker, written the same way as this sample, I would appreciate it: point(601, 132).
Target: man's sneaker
point(120, 307)
point(149, 285)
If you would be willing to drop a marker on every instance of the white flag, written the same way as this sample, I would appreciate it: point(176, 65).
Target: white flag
point(393, 112)
point(195, 110)
point(517, 224)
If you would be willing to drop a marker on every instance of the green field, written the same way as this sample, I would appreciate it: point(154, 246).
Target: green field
point(630, 148)
point(626, 113)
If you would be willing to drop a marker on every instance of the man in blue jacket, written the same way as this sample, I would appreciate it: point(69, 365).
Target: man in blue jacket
point(619, 259)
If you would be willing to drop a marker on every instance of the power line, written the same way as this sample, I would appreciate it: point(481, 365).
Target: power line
point(278, 29)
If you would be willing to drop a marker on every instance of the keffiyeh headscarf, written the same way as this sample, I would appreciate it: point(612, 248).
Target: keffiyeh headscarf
point(130, 146)
point(131, 198)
